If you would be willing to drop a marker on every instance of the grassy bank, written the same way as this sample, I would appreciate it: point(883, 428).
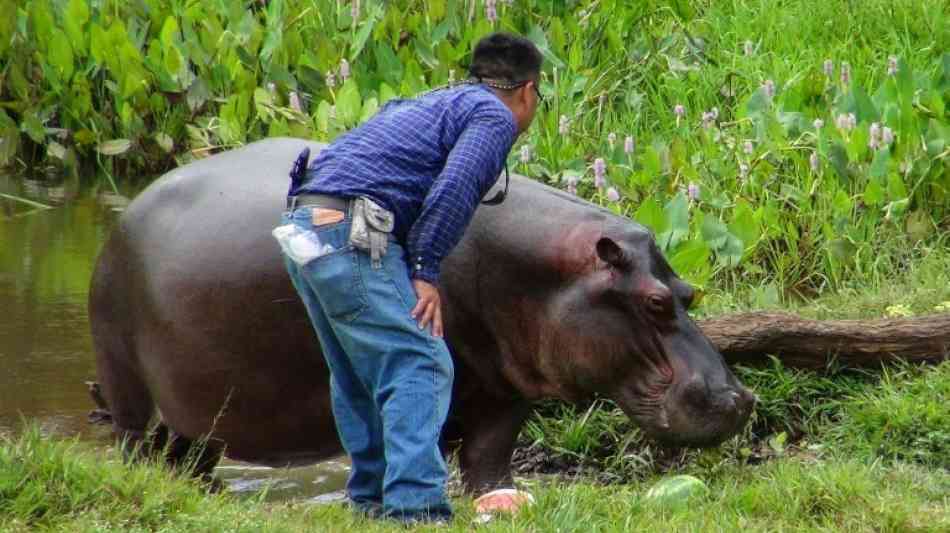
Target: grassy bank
point(842, 480)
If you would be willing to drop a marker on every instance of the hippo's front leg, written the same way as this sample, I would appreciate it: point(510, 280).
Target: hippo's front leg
point(488, 440)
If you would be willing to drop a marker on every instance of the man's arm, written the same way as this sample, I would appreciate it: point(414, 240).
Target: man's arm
point(471, 169)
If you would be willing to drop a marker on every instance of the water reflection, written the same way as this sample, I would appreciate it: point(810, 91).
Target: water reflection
point(50, 235)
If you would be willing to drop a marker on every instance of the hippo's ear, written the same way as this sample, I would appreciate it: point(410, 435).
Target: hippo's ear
point(610, 252)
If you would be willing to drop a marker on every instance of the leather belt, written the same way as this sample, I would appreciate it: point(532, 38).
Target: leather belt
point(318, 200)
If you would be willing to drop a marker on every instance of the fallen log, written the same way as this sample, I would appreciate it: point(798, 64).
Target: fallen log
point(802, 343)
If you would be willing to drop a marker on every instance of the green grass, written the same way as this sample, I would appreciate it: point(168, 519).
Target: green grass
point(48, 485)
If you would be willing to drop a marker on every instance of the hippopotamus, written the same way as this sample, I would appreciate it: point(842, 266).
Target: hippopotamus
point(200, 336)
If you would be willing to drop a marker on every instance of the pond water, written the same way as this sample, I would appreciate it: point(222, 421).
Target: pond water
point(50, 235)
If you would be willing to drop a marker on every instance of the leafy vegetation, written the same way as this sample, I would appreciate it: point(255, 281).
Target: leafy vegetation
point(751, 156)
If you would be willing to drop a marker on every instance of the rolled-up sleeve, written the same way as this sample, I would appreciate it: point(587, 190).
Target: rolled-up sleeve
point(472, 167)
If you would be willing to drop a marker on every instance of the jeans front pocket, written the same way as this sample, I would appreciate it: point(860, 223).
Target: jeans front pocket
point(335, 278)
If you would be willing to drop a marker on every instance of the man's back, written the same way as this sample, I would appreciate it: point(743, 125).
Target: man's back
point(395, 157)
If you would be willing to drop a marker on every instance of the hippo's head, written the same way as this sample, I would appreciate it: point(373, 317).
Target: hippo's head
point(622, 330)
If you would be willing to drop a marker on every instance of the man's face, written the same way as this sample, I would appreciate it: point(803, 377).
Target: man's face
point(528, 99)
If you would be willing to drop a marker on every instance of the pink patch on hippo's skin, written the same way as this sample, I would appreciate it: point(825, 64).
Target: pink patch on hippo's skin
point(573, 251)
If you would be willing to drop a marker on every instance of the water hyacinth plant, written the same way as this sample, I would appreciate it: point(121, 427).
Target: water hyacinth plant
point(136, 87)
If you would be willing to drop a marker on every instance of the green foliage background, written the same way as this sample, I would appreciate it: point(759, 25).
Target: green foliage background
point(138, 86)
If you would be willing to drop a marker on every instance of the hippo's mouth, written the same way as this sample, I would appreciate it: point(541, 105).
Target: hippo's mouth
point(644, 399)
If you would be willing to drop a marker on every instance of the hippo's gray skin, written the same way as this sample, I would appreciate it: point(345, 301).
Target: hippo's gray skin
point(546, 296)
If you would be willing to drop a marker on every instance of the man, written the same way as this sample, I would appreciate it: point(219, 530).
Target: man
point(419, 168)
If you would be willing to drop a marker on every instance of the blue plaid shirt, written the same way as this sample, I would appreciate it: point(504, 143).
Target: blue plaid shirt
point(430, 160)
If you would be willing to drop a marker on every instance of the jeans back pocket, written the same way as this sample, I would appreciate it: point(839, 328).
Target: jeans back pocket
point(336, 279)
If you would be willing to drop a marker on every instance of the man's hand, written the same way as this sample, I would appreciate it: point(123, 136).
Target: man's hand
point(429, 308)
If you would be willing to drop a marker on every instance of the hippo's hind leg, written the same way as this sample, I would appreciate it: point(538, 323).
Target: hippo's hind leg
point(123, 399)
point(198, 457)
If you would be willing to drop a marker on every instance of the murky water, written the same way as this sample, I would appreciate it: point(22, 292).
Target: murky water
point(50, 235)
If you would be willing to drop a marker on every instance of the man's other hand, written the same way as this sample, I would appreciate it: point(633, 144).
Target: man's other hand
point(429, 308)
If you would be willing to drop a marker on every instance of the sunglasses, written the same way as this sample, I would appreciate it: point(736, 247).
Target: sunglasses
point(537, 90)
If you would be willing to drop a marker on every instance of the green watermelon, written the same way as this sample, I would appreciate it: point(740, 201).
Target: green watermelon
point(675, 490)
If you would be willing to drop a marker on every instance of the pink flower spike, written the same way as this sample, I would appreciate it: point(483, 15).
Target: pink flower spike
point(355, 10)
point(611, 140)
point(525, 154)
point(613, 195)
point(679, 111)
point(563, 125)
point(845, 73)
point(491, 11)
point(600, 173)
point(628, 145)
point(743, 171)
point(331, 80)
point(887, 136)
point(874, 136)
point(813, 161)
point(748, 147)
point(769, 87)
point(344, 70)
point(818, 123)
point(748, 48)
point(829, 68)
point(294, 101)
point(692, 191)
point(892, 65)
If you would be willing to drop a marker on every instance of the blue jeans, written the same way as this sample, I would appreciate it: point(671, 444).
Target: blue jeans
point(390, 381)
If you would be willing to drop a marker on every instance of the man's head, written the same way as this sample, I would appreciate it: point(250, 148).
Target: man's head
point(506, 60)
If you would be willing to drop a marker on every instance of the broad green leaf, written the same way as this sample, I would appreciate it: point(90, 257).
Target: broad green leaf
point(677, 214)
point(540, 40)
point(873, 193)
point(839, 160)
point(919, 225)
point(895, 187)
point(173, 61)
point(169, 34)
point(9, 142)
point(370, 107)
point(114, 147)
point(714, 232)
point(366, 28)
point(386, 93)
point(651, 215)
point(32, 125)
point(7, 28)
point(689, 257)
point(165, 142)
point(349, 103)
point(389, 64)
point(744, 225)
point(865, 110)
point(879, 164)
point(842, 249)
point(842, 204)
point(61, 56)
point(41, 19)
point(424, 52)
